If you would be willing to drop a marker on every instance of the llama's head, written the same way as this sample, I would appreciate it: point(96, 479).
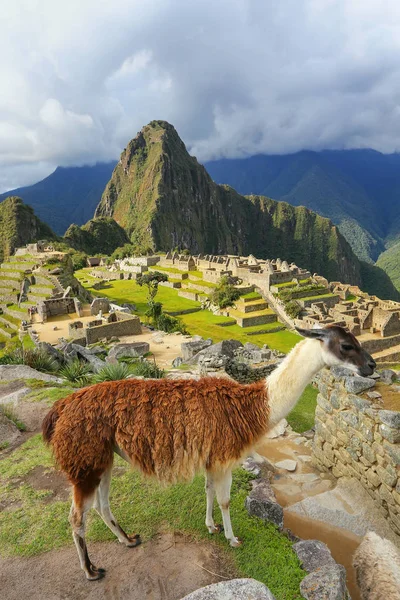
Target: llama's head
point(340, 347)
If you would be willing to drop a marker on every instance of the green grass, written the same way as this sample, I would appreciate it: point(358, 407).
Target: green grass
point(9, 412)
point(27, 342)
point(202, 323)
point(252, 296)
point(320, 297)
point(11, 319)
point(49, 395)
point(142, 505)
point(302, 417)
point(167, 269)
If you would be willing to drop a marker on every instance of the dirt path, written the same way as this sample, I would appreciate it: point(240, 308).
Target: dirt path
point(166, 568)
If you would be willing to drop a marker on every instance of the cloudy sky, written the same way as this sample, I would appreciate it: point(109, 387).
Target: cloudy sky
point(236, 77)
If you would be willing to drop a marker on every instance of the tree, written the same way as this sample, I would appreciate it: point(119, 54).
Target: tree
point(225, 294)
point(151, 281)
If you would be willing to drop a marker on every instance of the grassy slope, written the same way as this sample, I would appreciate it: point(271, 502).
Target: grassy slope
point(389, 261)
point(35, 525)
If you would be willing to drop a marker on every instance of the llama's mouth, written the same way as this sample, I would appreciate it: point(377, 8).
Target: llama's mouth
point(366, 371)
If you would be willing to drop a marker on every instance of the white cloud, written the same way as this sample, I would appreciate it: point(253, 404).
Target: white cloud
point(236, 77)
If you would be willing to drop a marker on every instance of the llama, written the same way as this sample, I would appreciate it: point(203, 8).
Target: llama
point(171, 429)
point(377, 565)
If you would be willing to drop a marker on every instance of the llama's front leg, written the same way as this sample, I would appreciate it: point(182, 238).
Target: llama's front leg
point(222, 484)
point(210, 494)
point(102, 505)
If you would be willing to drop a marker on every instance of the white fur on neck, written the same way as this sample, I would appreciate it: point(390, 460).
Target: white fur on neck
point(286, 384)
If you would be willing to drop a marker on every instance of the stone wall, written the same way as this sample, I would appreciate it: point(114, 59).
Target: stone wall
point(55, 306)
point(125, 325)
point(356, 437)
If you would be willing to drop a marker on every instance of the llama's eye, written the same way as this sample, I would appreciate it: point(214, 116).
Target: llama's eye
point(346, 347)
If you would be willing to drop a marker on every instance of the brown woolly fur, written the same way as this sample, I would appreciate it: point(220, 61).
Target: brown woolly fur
point(169, 429)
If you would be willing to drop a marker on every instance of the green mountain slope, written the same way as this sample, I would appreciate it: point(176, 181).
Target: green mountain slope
point(97, 236)
point(389, 261)
point(164, 198)
point(19, 226)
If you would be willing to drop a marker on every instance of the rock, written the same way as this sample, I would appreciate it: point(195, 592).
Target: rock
point(387, 376)
point(251, 466)
point(225, 349)
point(132, 350)
point(287, 464)
point(326, 583)
point(49, 349)
point(190, 349)
point(235, 589)
point(261, 502)
point(249, 346)
point(11, 372)
point(177, 362)
point(96, 350)
point(130, 307)
point(390, 418)
point(340, 372)
point(9, 433)
point(278, 430)
point(374, 395)
point(356, 385)
point(313, 554)
point(80, 351)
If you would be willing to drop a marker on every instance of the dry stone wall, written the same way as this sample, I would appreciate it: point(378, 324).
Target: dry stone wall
point(355, 436)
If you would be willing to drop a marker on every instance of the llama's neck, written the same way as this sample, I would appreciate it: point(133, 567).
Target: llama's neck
point(286, 384)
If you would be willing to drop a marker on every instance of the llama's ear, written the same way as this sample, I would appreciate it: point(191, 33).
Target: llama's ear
point(316, 334)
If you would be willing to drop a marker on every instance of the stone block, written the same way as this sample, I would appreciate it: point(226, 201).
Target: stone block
point(390, 418)
point(373, 478)
point(393, 450)
point(326, 583)
point(356, 385)
point(335, 399)
point(388, 475)
point(378, 448)
point(368, 452)
point(350, 418)
point(385, 494)
point(390, 434)
point(313, 554)
point(261, 502)
point(360, 404)
point(133, 350)
point(324, 404)
point(190, 349)
point(234, 588)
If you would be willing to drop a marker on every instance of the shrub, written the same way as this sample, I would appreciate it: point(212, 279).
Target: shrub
point(292, 309)
point(113, 372)
point(225, 294)
point(76, 371)
point(147, 369)
point(170, 324)
point(32, 357)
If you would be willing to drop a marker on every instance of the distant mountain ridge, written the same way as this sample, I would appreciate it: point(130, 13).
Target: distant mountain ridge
point(359, 190)
point(69, 195)
point(164, 198)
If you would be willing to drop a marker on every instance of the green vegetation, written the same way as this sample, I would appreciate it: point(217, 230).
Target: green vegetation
point(302, 417)
point(34, 525)
point(112, 372)
point(76, 371)
point(389, 261)
point(37, 359)
point(101, 235)
point(49, 394)
point(225, 294)
point(8, 411)
point(19, 226)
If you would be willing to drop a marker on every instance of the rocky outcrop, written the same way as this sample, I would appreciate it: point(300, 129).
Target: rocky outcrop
point(164, 198)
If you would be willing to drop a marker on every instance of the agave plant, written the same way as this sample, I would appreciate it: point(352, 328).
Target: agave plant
point(113, 372)
point(76, 371)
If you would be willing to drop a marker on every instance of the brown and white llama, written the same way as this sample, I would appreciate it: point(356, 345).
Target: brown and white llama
point(171, 429)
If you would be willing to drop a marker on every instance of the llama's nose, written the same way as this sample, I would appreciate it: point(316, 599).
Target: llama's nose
point(372, 363)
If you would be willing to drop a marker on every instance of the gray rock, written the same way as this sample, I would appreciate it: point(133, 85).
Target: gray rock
point(235, 589)
point(11, 372)
point(387, 376)
point(96, 350)
point(49, 349)
point(287, 464)
point(96, 363)
point(9, 433)
point(390, 418)
point(374, 395)
point(249, 346)
point(226, 349)
point(132, 350)
point(177, 362)
point(190, 349)
point(130, 307)
point(326, 583)
point(313, 554)
point(356, 385)
point(261, 502)
point(340, 372)
point(251, 466)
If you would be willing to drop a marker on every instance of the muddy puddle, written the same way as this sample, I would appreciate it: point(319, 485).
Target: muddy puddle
point(305, 481)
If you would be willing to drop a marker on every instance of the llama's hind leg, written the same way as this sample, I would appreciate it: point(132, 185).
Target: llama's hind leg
point(102, 505)
point(222, 484)
point(82, 502)
point(210, 494)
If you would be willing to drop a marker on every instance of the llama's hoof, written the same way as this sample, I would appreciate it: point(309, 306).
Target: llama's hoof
point(95, 574)
point(235, 542)
point(134, 540)
point(215, 528)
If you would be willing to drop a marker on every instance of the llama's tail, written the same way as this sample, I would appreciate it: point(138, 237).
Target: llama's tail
point(50, 420)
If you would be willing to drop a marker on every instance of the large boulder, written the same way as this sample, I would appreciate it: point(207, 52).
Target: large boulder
point(225, 349)
point(245, 589)
point(313, 554)
point(261, 502)
point(190, 349)
point(132, 350)
point(76, 351)
point(326, 583)
point(11, 372)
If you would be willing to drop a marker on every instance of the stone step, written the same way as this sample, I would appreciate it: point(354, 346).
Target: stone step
point(388, 355)
point(255, 306)
point(256, 318)
point(8, 323)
